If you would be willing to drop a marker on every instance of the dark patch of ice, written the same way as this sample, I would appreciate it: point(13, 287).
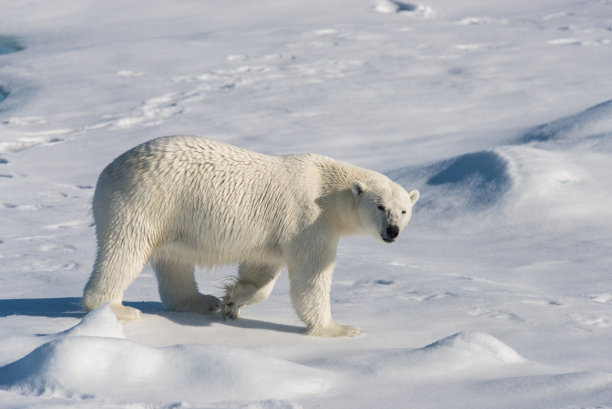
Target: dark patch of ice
point(9, 45)
point(3, 93)
point(401, 6)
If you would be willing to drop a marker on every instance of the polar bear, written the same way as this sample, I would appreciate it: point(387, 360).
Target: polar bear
point(183, 201)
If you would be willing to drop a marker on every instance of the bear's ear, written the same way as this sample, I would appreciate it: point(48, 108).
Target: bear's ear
point(414, 196)
point(358, 188)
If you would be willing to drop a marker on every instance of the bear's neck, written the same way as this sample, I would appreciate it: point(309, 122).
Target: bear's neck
point(337, 198)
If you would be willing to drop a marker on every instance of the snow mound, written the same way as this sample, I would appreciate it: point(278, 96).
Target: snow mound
point(465, 354)
point(592, 127)
point(94, 360)
point(472, 182)
point(471, 347)
point(485, 171)
point(475, 180)
point(99, 323)
point(122, 370)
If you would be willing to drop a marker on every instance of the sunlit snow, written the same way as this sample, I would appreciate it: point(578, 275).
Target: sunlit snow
point(497, 295)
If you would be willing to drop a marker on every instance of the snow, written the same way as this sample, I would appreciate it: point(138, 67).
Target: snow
point(499, 293)
point(94, 359)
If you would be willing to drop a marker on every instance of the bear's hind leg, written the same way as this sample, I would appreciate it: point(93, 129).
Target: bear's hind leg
point(178, 288)
point(254, 284)
point(112, 274)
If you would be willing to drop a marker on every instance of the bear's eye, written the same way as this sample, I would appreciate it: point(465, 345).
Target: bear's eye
point(403, 212)
point(381, 207)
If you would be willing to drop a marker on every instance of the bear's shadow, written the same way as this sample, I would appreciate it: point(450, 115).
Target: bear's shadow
point(70, 307)
point(199, 320)
point(62, 307)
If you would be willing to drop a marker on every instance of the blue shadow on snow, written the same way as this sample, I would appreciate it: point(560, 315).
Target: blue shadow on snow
point(62, 307)
point(483, 175)
point(9, 45)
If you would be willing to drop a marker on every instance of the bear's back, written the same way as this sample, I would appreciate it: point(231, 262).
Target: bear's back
point(208, 193)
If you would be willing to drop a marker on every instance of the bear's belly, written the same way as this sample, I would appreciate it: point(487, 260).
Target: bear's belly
point(209, 251)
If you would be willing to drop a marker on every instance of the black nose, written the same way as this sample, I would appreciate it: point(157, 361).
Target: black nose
point(392, 232)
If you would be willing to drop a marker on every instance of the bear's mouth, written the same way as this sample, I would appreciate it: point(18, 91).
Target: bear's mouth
point(387, 239)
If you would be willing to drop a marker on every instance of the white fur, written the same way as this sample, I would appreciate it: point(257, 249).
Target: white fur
point(186, 201)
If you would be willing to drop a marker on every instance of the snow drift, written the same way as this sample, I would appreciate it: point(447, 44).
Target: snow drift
point(469, 183)
point(463, 354)
point(470, 347)
point(482, 176)
point(94, 360)
point(591, 128)
point(533, 171)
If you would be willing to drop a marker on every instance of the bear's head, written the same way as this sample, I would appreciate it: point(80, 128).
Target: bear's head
point(384, 207)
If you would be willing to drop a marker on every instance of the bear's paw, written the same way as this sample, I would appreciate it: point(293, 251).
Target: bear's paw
point(333, 330)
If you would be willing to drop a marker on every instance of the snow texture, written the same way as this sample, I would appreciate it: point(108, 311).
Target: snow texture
point(498, 294)
point(94, 360)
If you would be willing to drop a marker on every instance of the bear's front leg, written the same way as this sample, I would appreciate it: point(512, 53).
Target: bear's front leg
point(310, 279)
point(254, 285)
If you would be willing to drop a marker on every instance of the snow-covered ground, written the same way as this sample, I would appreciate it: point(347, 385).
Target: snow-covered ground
point(499, 293)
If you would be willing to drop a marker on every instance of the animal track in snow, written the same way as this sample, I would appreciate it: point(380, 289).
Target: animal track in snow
point(27, 142)
point(421, 296)
point(488, 313)
point(404, 8)
point(590, 320)
point(151, 112)
point(25, 121)
point(130, 73)
point(5, 175)
point(578, 42)
point(542, 302)
point(322, 38)
point(602, 298)
point(67, 224)
point(237, 71)
point(480, 21)
point(477, 47)
point(26, 207)
point(252, 71)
